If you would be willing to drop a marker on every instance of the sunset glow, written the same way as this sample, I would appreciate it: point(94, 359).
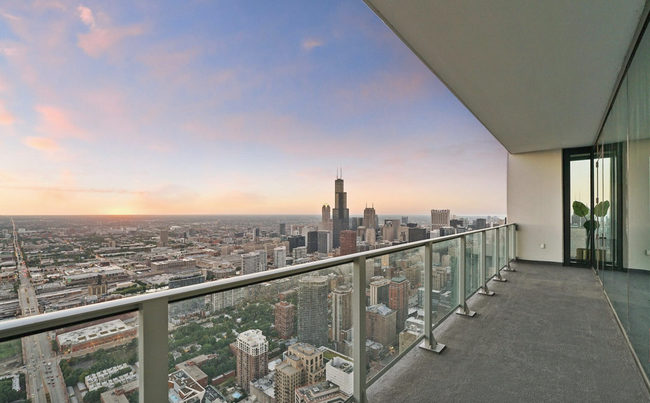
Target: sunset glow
point(213, 107)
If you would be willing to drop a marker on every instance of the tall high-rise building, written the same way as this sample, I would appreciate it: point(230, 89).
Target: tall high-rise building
point(340, 213)
point(369, 217)
point(283, 228)
point(379, 292)
point(324, 241)
point(341, 312)
point(440, 218)
point(164, 237)
point(312, 241)
point(299, 253)
point(303, 364)
point(405, 220)
point(312, 310)
point(348, 242)
point(280, 256)
point(284, 314)
point(398, 300)
point(361, 233)
point(481, 223)
point(371, 236)
point(326, 218)
point(252, 357)
point(356, 222)
point(380, 324)
point(253, 262)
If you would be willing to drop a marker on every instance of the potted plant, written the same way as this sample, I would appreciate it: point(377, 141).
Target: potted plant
point(590, 225)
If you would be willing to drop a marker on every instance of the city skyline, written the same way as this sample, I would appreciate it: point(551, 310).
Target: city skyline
point(185, 111)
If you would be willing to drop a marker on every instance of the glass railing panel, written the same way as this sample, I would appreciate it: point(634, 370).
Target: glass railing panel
point(490, 260)
point(264, 340)
point(395, 310)
point(472, 262)
point(444, 279)
point(85, 362)
point(502, 247)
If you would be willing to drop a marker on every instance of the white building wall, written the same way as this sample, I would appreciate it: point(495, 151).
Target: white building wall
point(535, 204)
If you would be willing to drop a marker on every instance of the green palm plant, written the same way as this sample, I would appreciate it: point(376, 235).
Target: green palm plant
point(591, 225)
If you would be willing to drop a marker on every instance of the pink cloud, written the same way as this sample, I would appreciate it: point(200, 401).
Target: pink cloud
point(311, 43)
point(56, 122)
point(101, 40)
point(41, 143)
point(6, 118)
point(86, 16)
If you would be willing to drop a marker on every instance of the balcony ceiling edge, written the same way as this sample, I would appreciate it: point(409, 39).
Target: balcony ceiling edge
point(538, 75)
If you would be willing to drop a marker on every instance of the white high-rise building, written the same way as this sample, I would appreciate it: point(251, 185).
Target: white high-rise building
point(253, 262)
point(299, 253)
point(440, 218)
point(280, 256)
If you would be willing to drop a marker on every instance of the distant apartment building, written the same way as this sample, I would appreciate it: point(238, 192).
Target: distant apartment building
point(440, 218)
point(417, 234)
point(252, 357)
point(313, 324)
point(303, 364)
point(398, 300)
point(253, 262)
point(284, 317)
point(280, 256)
point(379, 292)
point(341, 312)
point(348, 242)
point(381, 324)
point(340, 372)
point(299, 253)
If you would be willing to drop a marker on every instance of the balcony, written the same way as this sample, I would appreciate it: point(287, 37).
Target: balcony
point(548, 335)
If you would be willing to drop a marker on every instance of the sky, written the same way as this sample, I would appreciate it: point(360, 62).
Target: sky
point(228, 107)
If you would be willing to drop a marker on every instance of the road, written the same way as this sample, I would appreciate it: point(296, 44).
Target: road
point(43, 375)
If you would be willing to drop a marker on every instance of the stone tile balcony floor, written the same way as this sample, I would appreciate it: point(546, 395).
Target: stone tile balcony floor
point(548, 335)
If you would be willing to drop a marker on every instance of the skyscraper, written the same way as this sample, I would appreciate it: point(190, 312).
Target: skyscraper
point(481, 223)
point(280, 256)
point(324, 241)
point(312, 241)
point(283, 228)
point(440, 218)
point(417, 234)
point(164, 237)
point(284, 314)
point(252, 357)
point(341, 213)
point(341, 312)
point(348, 242)
point(326, 219)
point(295, 241)
point(369, 217)
point(371, 236)
point(312, 310)
point(398, 300)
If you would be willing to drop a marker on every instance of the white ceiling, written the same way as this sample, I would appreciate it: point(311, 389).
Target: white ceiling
point(539, 74)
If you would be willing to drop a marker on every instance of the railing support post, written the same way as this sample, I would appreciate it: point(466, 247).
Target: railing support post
point(508, 268)
point(495, 257)
point(359, 328)
point(463, 309)
point(483, 267)
point(429, 342)
point(153, 348)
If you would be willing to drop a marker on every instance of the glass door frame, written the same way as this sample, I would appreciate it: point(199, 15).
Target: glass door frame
point(569, 155)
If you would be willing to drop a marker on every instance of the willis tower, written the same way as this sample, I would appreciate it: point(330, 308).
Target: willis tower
point(340, 213)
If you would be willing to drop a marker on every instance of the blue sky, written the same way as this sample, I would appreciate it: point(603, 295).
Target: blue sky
point(228, 107)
